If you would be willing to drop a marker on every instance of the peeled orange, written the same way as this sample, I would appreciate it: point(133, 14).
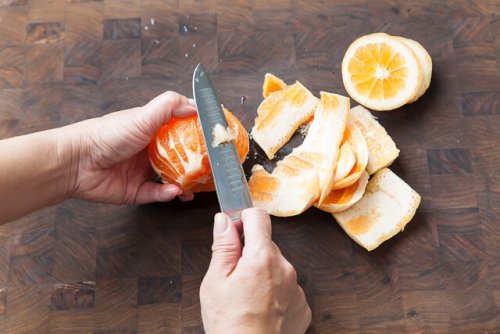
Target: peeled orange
point(381, 72)
point(178, 153)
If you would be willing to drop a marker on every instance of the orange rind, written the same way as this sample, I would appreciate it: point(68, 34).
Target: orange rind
point(383, 211)
point(359, 149)
point(280, 115)
point(272, 84)
point(382, 150)
point(308, 170)
point(342, 199)
point(345, 162)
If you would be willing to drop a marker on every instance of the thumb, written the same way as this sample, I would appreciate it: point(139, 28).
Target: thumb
point(226, 249)
point(159, 110)
point(122, 134)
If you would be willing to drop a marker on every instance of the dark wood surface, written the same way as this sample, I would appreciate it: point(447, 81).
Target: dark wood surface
point(90, 268)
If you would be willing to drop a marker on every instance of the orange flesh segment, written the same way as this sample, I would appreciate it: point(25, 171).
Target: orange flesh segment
point(376, 70)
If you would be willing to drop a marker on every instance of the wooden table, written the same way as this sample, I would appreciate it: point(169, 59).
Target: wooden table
point(81, 267)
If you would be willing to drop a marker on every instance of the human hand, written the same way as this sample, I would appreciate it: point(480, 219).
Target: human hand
point(251, 289)
point(112, 156)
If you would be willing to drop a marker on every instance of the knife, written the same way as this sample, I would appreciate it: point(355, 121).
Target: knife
point(229, 178)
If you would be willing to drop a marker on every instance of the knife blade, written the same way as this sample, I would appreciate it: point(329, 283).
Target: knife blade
point(229, 178)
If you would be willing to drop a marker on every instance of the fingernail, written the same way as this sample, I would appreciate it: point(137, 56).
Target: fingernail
point(192, 102)
point(172, 189)
point(220, 224)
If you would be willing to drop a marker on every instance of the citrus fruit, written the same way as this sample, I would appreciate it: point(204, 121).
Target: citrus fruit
point(178, 153)
point(424, 60)
point(384, 210)
point(381, 72)
point(272, 84)
point(280, 115)
point(342, 199)
point(382, 150)
point(306, 174)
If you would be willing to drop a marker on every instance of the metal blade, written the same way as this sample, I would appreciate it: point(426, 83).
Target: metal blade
point(230, 182)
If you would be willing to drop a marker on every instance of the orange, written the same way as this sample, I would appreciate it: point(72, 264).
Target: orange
point(425, 61)
point(381, 72)
point(178, 153)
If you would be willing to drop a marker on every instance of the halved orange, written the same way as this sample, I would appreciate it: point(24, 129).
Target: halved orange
point(280, 115)
point(305, 175)
point(381, 72)
point(424, 60)
point(178, 152)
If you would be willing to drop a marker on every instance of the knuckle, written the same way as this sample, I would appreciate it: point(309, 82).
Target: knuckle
point(205, 289)
point(170, 97)
point(223, 247)
point(264, 258)
point(291, 272)
point(256, 212)
point(170, 94)
point(308, 315)
point(276, 250)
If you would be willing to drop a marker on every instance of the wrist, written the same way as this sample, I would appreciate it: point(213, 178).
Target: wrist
point(68, 150)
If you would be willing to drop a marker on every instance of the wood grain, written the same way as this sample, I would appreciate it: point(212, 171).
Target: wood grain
point(89, 268)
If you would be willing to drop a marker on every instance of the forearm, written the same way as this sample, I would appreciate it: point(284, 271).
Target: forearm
point(36, 170)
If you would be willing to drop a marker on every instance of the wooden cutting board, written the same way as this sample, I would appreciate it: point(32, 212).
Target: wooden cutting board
point(102, 269)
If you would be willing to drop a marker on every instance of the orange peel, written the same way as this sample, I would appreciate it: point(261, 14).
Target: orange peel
point(308, 170)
